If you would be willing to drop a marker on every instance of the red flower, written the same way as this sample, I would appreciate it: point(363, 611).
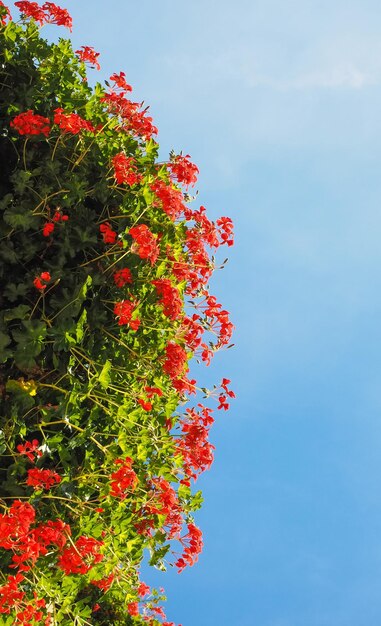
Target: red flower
point(79, 559)
point(152, 391)
point(48, 229)
point(59, 217)
point(44, 276)
point(87, 54)
point(133, 120)
point(146, 246)
point(122, 277)
point(31, 9)
point(183, 170)
point(143, 590)
point(30, 447)
point(193, 545)
point(171, 199)
point(176, 359)
point(109, 235)
point(133, 608)
point(49, 13)
point(29, 123)
point(56, 15)
point(120, 81)
point(4, 14)
point(124, 479)
point(42, 478)
point(124, 311)
point(147, 406)
point(104, 583)
point(170, 298)
point(125, 170)
point(71, 122)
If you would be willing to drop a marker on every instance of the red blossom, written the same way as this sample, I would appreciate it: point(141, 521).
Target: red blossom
point(170, 298)
point(42, 478)
point(109, 235)
point(4, 14)
point(124, 311)
point(152, 391)
point(120, 81)
point(143, 590)
point(31, 9)
point(122, 277)
point(193, 545)
point(124, 479)
point(87, 54)
point(176, 359)
point(59, 217)
point(104, 583)
point(183, 170)
point(55, 15)
point(145, 243)
point(132, 118)
point(133, 608)
point(29, 123)
point(30, 448)
point(125, 170)
point(194, 446)
point(40, 280)
point(81, 557)
point(71, 122)
point(170, 199)
point(48, 229)
point(49, 13)
point(147, 406)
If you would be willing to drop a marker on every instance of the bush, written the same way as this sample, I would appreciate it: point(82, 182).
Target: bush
point(104, 274)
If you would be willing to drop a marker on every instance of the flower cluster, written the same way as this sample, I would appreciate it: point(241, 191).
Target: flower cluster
point(124, 479)
point(48, 13)
point(39, 281)
point(125, 170)
point(82, 556)
point(132, 118)
point(169, 198)
point(87, 54)
point(42, 478)
point(120, 82)
point(145, 243)
point(124, 311)
point(30, 449)
point(122, 277)
point(192, 543)
point(30, 123)
point(170, 298)
point(175, 361)
point(71, 122)
point(183, 170)
point(196, 450)
point(109, 235)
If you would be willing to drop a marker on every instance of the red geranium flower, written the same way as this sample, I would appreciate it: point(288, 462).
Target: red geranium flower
point(38, 281)
point(87, 54)
point(42, 478)
point(122, 277)
point(29, 123)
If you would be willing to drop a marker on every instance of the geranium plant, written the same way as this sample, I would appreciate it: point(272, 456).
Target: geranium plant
point(104, 299)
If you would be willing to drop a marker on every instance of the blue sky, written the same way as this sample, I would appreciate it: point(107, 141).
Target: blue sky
point(279, 105)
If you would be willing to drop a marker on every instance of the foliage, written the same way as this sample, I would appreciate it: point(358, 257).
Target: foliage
point(104, 271)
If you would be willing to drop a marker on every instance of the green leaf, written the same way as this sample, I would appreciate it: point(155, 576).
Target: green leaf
point(104, 377)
